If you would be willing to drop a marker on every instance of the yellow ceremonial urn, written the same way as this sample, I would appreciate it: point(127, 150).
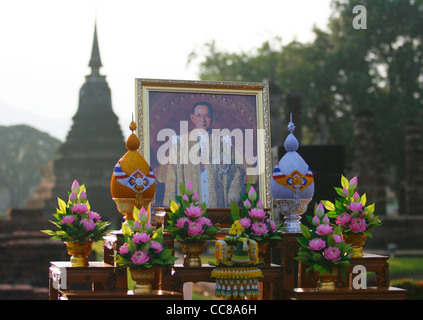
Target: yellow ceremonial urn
point(144, 279)
point(327, 280)
point(357, 240)
point(79, 253)
point(192, 253)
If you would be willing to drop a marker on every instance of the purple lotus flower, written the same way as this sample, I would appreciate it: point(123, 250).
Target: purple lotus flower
point(193, 211)
point(316, 244)
point(68, 219)
point(88, 224)
point(257, 213)
point(204, 220)
point(332, 253)
point(353, 183)
point(325, 219)
point(73, 198)
point(247, 204)
point(194, 197)
point(185, 197)
point(80, 208)
point(324, 229)
point(358, 225)
point(141, 237)
point(82, 196)
point(337, 238)
point(320, 210)
point(181, 222)
point(75, 188)
point(259, 204)
point(272, 225)
point(136, 226)
point(259, 228)
point(355, 206)
point(245, 222)
point(344, 193)
point(94, 216)
point(139, 257)
point(343, 219)
point(195, 228)
point(189, 187)
point(252, 194)
point(316, 221)
point(156, 246)
point(124, 249)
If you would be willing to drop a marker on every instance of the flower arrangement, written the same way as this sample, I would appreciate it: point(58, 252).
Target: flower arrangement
point(253, 219)
point(322, 247)
point(143, 246)
point(75, 220)
point(189, 222)
point(350, 212)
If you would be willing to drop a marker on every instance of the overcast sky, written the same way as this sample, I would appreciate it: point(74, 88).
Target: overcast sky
point(46, 46)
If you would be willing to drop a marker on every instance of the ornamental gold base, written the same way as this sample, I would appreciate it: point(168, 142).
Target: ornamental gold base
point(79, 253)
point(327, 281)
point(291, 210)
point(192, 253)
point(143, 279)
point(357, 240)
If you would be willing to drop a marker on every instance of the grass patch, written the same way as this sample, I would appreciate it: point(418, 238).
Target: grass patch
point(410, 267)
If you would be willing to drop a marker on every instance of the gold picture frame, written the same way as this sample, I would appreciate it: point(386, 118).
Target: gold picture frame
point(164, 106)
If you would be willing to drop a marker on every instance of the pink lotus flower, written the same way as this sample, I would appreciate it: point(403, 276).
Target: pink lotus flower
point(185, 197)
point(320, 210)
point(316, 221)
point(353, 183)
point(247, 204)
point(195, 228)
point(337, 238)
point(245, 222)
point(259, 228)
point(148, 227)
point(82, 196)
point(324, 229)
point(343, 219)
point(272, 225)
point(156, 246)
point(345, 193)
point(141, 237)
point(194, 211)
point(189, 187)
point(325, 219)
point(358, 225)
point(75, 188)
point(332, 253)
point(194, 197)
point(139, 257)
point(259, 204)
point(257, 213)
point(124, 249)
point(356, 197)
point(142, 215)
point(68, 219)
point(204, 220)
point(181, 222)
point(73, 198)
point(88, 224)
point(80, 208)
point(136, 226)
point(316, 244)
point(94, 216)
point(252, 194)
point(355, 206)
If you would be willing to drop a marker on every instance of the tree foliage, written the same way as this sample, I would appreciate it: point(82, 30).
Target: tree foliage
point(344, 70)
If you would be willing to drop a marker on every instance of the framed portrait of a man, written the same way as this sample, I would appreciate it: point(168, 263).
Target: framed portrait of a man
point(214, 134)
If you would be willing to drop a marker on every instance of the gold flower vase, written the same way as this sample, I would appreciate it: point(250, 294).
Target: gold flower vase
point(357, 240)
point(143, 280)
point(79, 253)
point(326, 280)
point(192, 251)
